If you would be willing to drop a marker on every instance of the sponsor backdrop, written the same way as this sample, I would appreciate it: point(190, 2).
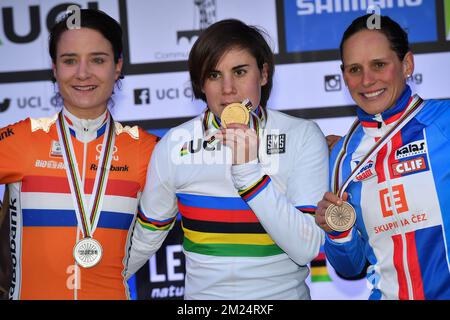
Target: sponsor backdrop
point(156, 93)
point(316, 16)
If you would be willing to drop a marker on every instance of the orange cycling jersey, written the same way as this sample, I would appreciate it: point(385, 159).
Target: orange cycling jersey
point(43, 222)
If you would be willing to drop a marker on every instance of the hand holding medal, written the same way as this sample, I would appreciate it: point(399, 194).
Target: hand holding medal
point(335, 213)
point(236, 113)
point(236, 133)
point(340, 216)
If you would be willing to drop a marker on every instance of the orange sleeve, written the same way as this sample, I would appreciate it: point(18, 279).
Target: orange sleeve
point(14, 151)
point(147, 144)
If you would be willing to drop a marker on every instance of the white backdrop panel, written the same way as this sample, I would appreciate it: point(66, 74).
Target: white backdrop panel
point(303, 85)
point(154, 25)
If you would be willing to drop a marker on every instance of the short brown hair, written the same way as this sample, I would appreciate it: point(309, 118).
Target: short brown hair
point(220, 37)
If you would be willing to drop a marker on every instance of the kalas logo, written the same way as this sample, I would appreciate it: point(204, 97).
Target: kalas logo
point(35, 21)
point(411, 149)
point(5, 104)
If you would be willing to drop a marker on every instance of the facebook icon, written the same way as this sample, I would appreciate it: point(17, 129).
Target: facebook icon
point(142, 96)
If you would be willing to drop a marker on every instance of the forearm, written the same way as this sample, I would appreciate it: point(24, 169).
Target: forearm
point(144, 245)
point(346, 255)
point(293, 231)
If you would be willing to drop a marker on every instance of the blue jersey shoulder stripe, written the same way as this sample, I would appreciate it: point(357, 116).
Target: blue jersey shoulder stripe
point(208, 202)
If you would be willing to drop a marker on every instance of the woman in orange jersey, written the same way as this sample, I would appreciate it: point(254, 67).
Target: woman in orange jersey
point(74, 179)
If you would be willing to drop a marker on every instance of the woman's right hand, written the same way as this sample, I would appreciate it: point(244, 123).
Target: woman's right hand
point(328, 199)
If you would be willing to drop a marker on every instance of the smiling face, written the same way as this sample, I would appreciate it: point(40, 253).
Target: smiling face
point(85, 71)
point(235, 78)
point(373, 73)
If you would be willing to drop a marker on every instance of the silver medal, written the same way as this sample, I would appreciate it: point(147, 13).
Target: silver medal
point(87, 252)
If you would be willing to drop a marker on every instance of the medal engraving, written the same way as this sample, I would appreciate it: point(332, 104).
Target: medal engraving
point(340, 218)
point(87, 252)
point(234, 113)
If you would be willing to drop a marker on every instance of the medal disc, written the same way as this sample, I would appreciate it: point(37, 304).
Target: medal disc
point(234, 113)
point(340, 218)
point(87, 252)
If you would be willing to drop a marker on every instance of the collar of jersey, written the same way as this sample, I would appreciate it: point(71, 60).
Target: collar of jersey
point(77, 125)
point(390, 115)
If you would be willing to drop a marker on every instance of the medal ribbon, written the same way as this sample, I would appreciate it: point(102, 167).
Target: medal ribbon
point(415, 105)
point(87, 222)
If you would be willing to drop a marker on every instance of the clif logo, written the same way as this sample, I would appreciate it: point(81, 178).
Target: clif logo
point(409, 166)
point(5, 105)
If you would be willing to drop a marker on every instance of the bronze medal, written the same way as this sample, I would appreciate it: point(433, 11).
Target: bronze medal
point(340, 218)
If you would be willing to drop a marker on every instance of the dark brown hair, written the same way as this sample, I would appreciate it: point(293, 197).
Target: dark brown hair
point(396, 36)
point(92, 19)
point(220, 37)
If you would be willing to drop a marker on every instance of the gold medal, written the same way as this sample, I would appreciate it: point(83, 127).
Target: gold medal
point(236, 113)
point(340, 218)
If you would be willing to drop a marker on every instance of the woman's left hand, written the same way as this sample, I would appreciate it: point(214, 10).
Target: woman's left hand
point(242, 140)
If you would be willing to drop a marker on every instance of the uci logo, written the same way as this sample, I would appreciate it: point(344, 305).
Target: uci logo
point(34, 21)
point(195, 146)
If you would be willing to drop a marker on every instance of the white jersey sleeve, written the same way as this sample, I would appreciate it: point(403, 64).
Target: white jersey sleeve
point(157, 210)
point(286, 209)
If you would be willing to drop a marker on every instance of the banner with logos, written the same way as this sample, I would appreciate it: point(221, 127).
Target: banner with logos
point(331, 18)
point(175, 25)
point(156, 92)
